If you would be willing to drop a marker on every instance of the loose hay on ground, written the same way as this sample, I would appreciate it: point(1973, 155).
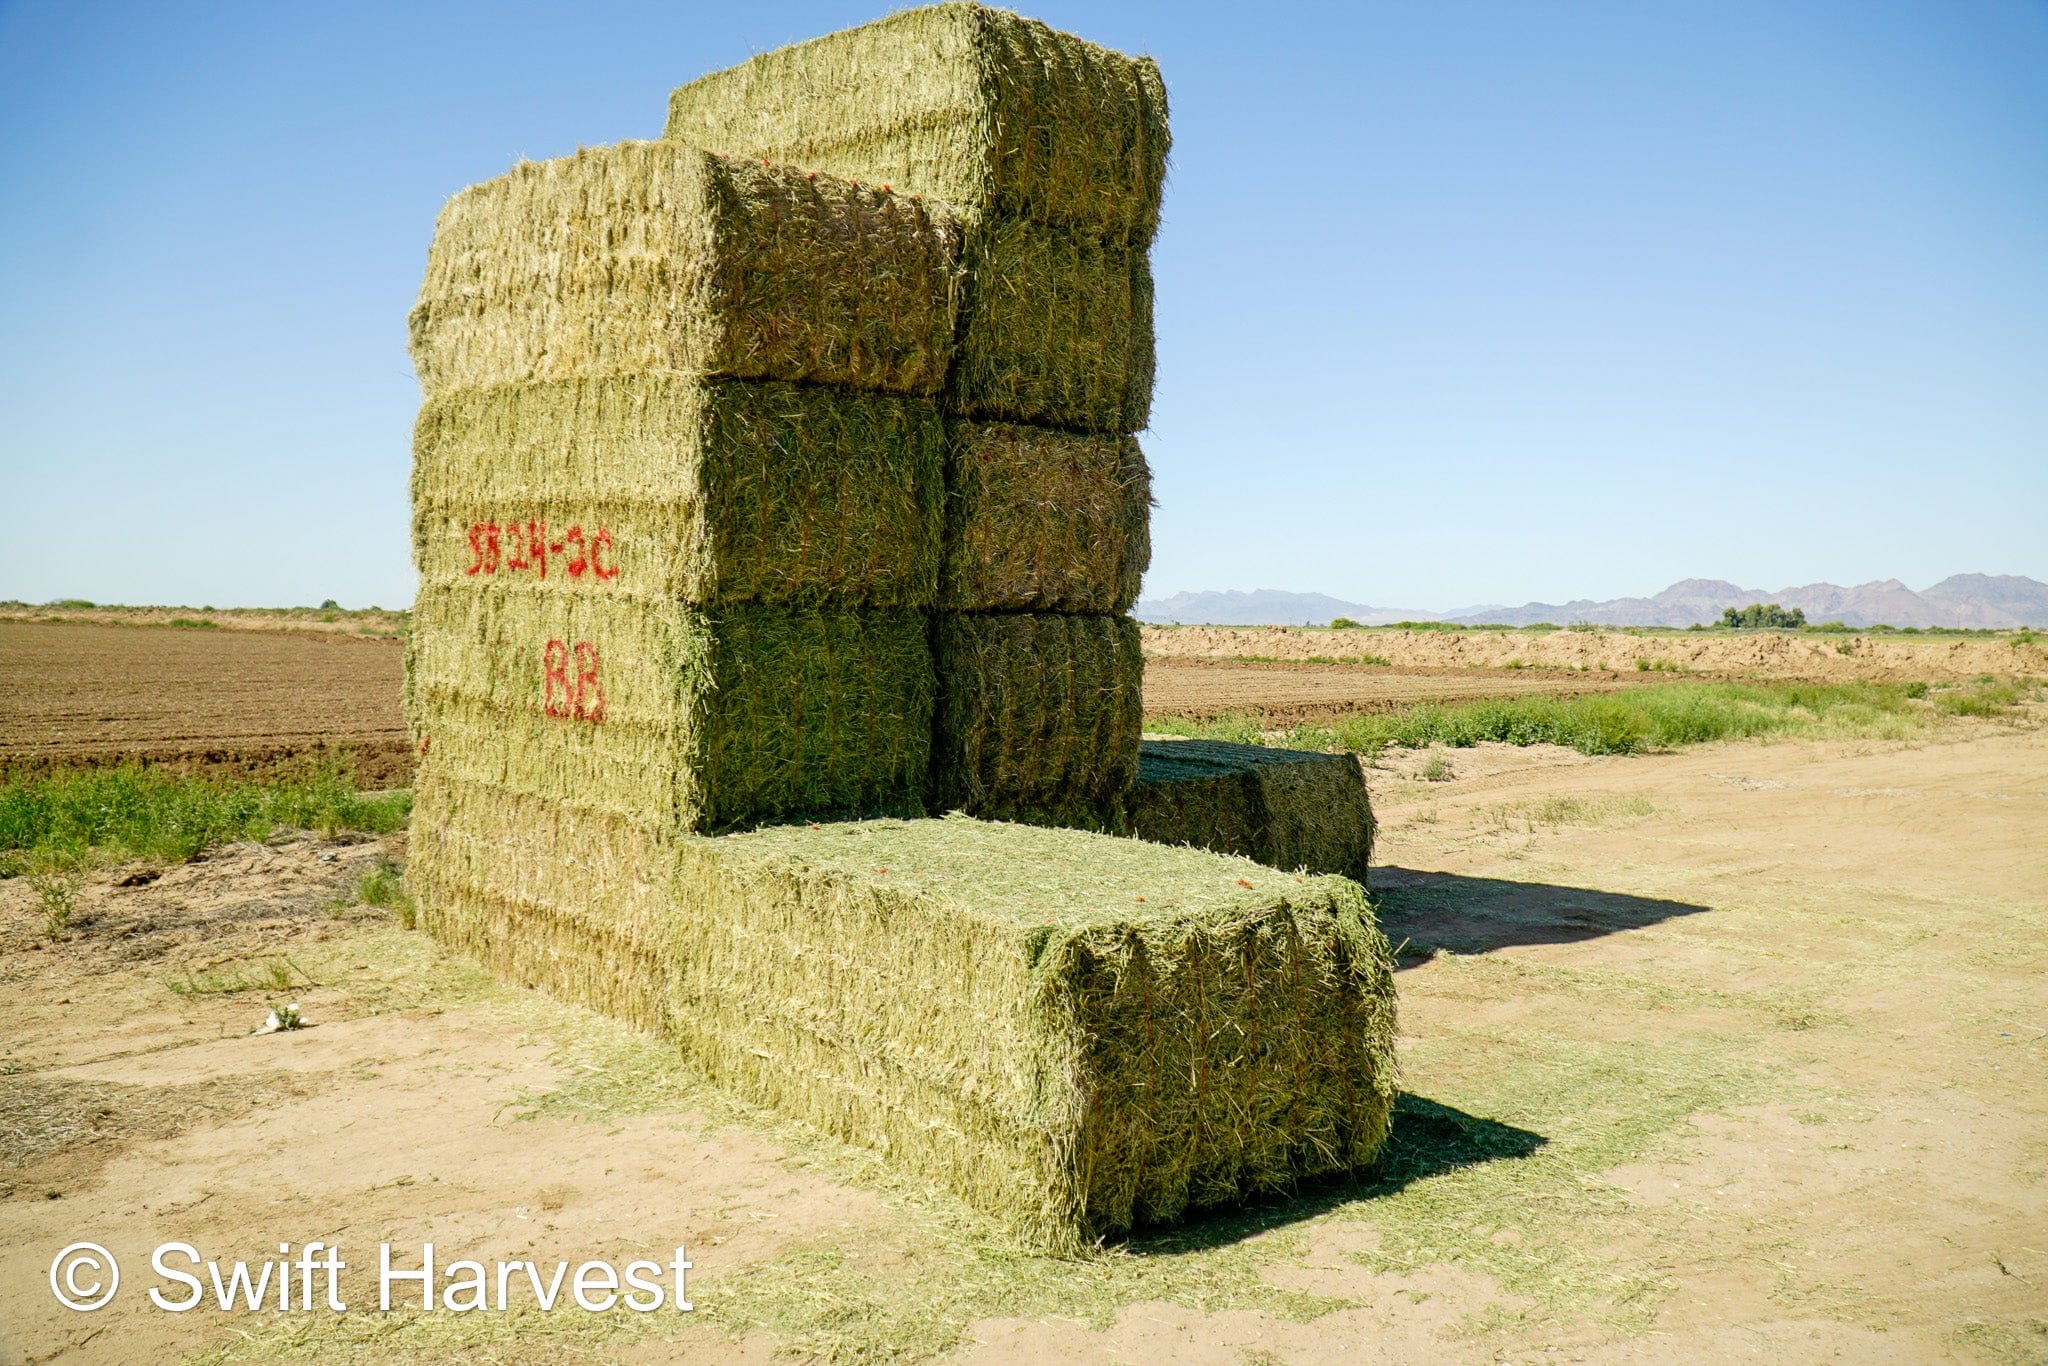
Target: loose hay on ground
point(1281, 807)
point(1074, 1032)
point(654, 256)
point(1043, 521)
point(1039, 716)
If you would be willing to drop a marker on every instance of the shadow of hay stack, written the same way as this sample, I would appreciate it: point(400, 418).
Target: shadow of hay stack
point(1428, 1139)
point(1437, 911)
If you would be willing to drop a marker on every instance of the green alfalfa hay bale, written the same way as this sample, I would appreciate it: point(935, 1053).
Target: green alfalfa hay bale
point(544, 893)
point(674, 717)
point(1076, 1033)
point(998, 115)
point(703, 491)
point(1039, 716)
point(1289, 809)
point(1056, 328)
point(1042, 520)
point(655, 256)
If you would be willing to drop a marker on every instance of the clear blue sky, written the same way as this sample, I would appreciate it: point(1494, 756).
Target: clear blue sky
point(1458, 302)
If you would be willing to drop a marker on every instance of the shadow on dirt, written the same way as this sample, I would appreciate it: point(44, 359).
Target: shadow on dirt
point(1428, 1139)
point(1423, 913)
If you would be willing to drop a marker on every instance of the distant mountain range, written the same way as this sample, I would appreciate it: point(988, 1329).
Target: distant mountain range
point(1962, 600)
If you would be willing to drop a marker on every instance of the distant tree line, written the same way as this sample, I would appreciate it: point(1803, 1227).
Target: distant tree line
point(1759, 615)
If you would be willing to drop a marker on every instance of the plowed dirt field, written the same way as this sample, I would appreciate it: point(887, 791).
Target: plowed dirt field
point(218, 699)
point(245, 700)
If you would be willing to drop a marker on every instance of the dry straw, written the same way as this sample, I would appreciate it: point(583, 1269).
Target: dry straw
point(1285, 808)
point(1042, 520)
point(658, 257)
point(1038, 716)
point(703, 491)
point(1074, 1032)
point(670, 716)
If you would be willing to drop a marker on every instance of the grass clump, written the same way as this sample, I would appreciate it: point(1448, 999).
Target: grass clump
point(136, 812)
point(1629, 722)
point(382, 885)
point(1557, 811)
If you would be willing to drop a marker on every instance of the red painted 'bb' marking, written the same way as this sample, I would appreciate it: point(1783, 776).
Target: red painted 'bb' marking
point(581, 698)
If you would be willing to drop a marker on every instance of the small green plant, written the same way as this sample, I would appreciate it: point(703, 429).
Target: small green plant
point(57, 876)
point(275, 975)
point(1916, 691)
point(1515, 664)
point(1583, 628)
point(1437, 770)
point(383, 885)
point(1658, 666)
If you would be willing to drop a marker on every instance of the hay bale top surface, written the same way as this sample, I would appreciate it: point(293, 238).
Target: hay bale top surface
point(1038, 876)
point(656, 256)
point(1171, 761)
point(999, 115)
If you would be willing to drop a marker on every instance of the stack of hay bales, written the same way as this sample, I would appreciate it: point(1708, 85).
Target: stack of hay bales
point(1052, 151)
point(677, 490)
point(1285, 808)
point(716, 531)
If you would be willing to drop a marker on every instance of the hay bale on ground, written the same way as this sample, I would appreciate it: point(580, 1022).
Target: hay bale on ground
point(674, 717)
point(1043, 521)
point(677, 488)
point(1038, 718)
point(1075, 1033)
point(1285, 808)
point(655, 256)
point(998, 115)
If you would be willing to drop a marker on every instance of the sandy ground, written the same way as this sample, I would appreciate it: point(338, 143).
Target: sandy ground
point(1739, 1053)
point(1754, 655)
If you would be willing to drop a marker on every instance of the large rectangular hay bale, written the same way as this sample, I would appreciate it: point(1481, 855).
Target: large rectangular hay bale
point(998, 115)
point(1073, 1032)
point(1054, 327)
point(1042, 520)
point(1289, 809)
point(1039, 716)
point(674, 717)
point(655, 256)
point(676, 487)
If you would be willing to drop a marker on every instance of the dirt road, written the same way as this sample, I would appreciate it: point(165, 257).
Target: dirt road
point(1737, 1052)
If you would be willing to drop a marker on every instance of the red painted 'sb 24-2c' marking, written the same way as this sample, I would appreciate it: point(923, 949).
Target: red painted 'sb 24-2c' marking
point(580, 698)
point(523, 546)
